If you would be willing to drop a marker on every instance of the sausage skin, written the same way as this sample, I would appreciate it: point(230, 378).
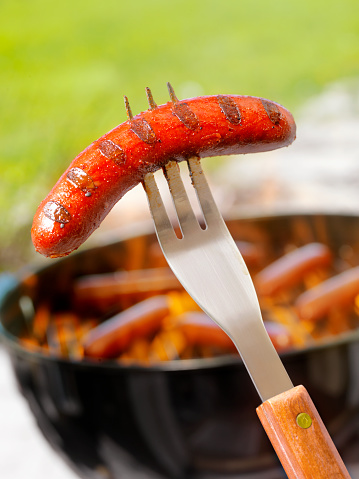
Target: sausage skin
point(112, 165)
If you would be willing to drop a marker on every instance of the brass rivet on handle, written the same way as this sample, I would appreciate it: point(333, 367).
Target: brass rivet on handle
point(304, 420)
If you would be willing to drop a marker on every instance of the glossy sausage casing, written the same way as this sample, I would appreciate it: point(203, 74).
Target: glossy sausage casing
point(100, 175)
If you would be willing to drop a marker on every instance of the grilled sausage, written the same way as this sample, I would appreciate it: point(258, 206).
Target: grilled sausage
point(336, 292)
point(112, 165)
point(290, 269)
point(111, 337)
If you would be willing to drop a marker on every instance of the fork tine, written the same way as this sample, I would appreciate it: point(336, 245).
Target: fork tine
point(209, 208)
point(186, 217)
point(164, 228)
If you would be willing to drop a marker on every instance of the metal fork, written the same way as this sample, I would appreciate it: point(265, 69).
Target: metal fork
point(210, 267)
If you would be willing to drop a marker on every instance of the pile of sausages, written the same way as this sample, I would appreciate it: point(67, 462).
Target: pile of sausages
point(303, 296)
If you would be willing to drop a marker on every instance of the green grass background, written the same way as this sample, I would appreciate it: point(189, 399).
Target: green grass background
point(65, 66)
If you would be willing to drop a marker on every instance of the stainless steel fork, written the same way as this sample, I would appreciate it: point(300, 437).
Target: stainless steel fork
point(209, 265)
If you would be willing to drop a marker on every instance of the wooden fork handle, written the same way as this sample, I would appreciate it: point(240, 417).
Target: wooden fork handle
point(299, 437)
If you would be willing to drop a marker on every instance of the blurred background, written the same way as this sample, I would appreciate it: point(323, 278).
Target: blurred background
point(65, 66)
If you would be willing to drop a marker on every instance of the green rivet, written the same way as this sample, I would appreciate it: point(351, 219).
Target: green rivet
point(304, 420)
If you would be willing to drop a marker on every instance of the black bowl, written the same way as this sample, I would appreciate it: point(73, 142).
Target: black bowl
point(180, 419)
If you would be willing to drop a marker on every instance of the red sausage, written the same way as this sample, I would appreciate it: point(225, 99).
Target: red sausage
point(111, 337)
point(199, 329)
point(112, 165)
point(336, 292)
point(101, 292)
point(290, 269)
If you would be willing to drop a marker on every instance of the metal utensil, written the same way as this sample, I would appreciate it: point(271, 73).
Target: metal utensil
point(210, 267)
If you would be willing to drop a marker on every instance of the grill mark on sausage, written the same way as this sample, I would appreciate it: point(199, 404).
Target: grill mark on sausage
point(230, 109)
point(82, 180)
point(55, 211)
point(113, 152)
point(144, 131)
point(184, 113)
point(272, 111)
